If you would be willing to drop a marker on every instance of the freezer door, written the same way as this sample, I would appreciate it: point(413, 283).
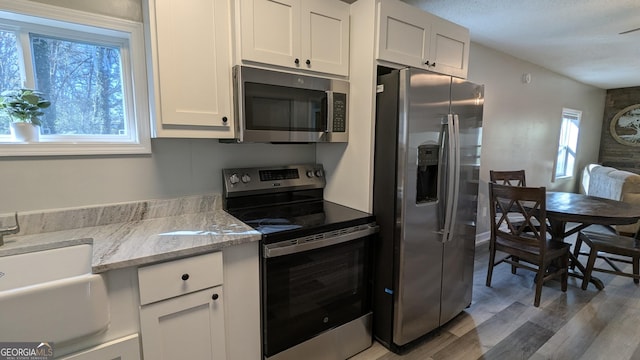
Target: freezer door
point(457, 275)
point(423, 110)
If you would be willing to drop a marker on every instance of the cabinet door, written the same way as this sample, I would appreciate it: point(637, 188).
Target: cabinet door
point(190, 50)
point(185, 327)
point(271, 31)
point(325, 36)
point(449, 48)
point(404, 34)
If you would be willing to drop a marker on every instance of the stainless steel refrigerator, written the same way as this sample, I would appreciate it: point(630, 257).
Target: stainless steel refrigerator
point(426, 168)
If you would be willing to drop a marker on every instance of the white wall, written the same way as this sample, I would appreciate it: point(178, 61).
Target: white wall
point(176, 167)
point(522, 121)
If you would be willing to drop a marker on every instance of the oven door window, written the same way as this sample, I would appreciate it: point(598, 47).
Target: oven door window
point(280, 108)
point(309, 292)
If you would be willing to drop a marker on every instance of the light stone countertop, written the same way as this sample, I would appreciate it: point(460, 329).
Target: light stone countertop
point(178, 230)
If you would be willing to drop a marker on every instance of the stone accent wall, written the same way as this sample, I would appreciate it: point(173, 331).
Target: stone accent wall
point(612, 153)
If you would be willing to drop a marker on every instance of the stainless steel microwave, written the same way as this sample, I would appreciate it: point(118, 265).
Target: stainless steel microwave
point(279, 107)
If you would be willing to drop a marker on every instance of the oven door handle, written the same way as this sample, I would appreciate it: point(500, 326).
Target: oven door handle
point(318, 241)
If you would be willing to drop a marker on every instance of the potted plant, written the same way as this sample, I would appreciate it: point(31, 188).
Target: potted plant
point(24, 107)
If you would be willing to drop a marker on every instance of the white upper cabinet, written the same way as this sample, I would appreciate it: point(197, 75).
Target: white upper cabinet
point(404, 34)
point(449, 50)
point(190, 52)
point(301, 34)
point(325, 36)
point(270, 31)
point(409, 36)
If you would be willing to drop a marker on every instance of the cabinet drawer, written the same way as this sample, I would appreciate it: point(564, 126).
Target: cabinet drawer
point(174, 278)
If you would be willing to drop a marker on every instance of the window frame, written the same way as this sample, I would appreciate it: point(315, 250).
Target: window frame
point(100, 29)
point(567, 113)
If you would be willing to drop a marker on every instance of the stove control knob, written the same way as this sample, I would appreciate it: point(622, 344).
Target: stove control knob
point(234, 179)
point(246, 178)
point(309, 174)
point(319, 173)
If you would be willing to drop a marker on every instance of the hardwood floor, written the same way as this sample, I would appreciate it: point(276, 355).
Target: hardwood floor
point(502, 322)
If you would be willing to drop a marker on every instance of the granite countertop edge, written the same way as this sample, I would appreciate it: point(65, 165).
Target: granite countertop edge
point(142, 242)
point(171, 254)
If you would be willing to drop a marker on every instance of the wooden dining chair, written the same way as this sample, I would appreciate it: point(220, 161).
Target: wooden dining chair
point(525, 240)
point(626, 250)
point(511, 177)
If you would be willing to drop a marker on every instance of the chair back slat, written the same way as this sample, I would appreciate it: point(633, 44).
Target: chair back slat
point(512, 178)
point(519, 214)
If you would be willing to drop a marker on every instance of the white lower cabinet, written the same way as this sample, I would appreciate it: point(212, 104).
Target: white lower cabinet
point(178, 310)
point(185, 327)
point(182, 310)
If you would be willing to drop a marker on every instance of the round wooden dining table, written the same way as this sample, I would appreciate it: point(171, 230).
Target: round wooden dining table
point(585, 210)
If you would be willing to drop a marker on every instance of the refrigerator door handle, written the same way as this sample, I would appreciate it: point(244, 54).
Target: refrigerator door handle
point(450, 171)
point(456, 177)
point(442, 177)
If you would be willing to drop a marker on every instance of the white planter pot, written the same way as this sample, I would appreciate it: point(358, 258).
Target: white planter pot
point(25, 132)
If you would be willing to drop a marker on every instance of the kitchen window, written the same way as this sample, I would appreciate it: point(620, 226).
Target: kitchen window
point(568, 143)
point(92, 69)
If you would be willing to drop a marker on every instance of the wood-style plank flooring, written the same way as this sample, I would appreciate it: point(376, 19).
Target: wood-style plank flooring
point(502, 322)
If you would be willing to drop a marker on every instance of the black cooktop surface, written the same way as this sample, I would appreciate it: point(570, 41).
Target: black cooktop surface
point(289, 221)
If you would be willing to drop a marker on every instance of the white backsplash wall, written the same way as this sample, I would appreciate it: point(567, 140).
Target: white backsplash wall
point(176, 167)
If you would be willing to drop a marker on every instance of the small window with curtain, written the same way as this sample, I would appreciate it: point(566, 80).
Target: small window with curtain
point(568, 143)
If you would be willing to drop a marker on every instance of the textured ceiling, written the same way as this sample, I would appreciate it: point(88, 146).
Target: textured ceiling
point(577, 38)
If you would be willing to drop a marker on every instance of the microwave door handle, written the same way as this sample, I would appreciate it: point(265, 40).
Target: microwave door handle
point(329, 112)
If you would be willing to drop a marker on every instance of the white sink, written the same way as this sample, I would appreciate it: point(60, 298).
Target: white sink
point(51, 296)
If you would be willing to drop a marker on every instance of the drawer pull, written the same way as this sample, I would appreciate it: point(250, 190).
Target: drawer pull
point(185, 277)
point(215, 297)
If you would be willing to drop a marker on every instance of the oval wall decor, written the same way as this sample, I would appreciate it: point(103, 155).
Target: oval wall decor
point(625, 126)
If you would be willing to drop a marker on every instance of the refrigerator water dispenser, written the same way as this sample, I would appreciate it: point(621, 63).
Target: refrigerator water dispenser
point(427, 182)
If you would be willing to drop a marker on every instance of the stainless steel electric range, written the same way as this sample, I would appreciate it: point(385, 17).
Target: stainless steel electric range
point(315, 262)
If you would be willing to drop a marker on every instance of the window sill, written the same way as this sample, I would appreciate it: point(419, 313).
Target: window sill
point(562, 178)
point(69, 148)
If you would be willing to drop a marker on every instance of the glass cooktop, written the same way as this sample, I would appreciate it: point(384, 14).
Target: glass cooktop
point(289, 221)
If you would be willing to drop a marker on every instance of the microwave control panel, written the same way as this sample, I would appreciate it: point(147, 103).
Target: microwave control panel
point(339, 112)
